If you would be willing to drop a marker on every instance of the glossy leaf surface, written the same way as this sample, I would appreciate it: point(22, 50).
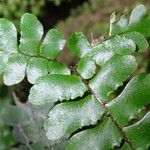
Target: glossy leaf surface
point(36, 68)
point(114, 46)
point(86, 67)
point(66, 118)
point(57, 88)
point(15, 69)
point(105, 136)
point(139, 131)
point(53, 43)
point(79, 44)
point(132, 100)
point(58, 68)
point(29, 49)
point(31, 34)
point(8, 34)
point(112, 75)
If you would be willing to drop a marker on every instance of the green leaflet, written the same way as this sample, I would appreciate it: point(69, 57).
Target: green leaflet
point(139, 21)
point(132, 100)
point(15, 69)
point(111, 23)
point(36, 68)
point(120, 45)
point(67, 117)
point(31, 34)
point(104, 136)
point(8, 34)
point(79, 44)
point(143, 27)
point(115, 46)
point(112, 75)
point(53, 88)
point(3, 61)
point(18, 65)
point(123, 22)
point(86, 67)
point(53, 43)
point(58, 68)
point(137, 14)
point(102, 53)
point(139, 39)
point(139, 133)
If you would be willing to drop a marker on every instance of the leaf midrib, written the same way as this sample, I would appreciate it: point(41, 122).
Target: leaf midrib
point(103, 104)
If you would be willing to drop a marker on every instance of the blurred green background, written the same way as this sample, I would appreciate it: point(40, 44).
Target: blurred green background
point(88, 16)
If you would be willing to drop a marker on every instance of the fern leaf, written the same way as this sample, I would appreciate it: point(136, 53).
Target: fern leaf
point(30, 51)
point(83, 115)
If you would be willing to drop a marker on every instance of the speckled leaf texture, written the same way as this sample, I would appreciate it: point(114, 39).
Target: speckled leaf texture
point(29, 58)
point(101, 103)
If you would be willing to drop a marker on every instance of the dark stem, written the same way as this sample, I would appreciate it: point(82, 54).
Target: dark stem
point(104, 106)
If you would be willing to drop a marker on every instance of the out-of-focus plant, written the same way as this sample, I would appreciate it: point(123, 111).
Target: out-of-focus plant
point(14, 9)
point(58, 2)
point(6, 137)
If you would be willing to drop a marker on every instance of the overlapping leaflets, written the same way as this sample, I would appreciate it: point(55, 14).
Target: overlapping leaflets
point(67, 117)
point(139, 21)
point(138, 130)
point(22, 59)
point(132, 100)
point(83, 113)
point(105, 136)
